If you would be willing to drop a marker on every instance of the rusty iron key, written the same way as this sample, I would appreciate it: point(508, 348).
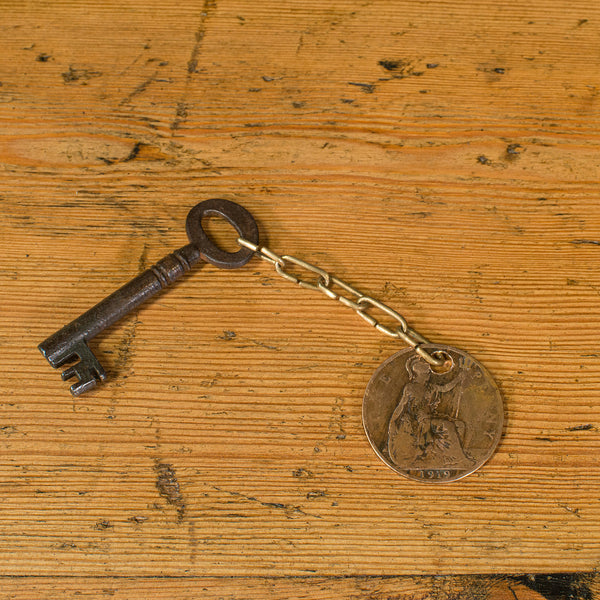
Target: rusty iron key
point(71, 342)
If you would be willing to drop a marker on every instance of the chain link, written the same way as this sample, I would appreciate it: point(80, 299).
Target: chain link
point(324, 282)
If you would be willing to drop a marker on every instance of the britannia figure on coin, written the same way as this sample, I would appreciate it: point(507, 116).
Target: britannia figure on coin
point(425, 431)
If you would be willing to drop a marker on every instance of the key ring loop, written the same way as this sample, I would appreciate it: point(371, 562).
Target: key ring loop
point(237, 216)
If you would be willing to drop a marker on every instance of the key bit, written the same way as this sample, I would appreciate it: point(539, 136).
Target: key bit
point(71, 341)
point(88, 370)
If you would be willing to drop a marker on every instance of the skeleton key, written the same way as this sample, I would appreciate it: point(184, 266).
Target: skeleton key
point(71, 342)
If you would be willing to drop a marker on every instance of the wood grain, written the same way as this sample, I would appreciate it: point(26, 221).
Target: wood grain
point(468, 587)
point(441, 156)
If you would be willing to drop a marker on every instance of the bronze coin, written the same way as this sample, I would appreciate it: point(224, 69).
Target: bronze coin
point(431, 426)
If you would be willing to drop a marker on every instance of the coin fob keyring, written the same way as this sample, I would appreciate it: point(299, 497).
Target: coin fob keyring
point(431, 412)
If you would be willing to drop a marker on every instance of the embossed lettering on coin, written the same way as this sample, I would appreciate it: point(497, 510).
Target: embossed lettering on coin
point(433, 426)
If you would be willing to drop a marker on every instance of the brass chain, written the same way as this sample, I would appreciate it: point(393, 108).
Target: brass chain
point(360, 304)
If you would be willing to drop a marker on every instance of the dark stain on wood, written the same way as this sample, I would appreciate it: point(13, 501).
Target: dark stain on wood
point(227, 335)
point(290, 509)
point(125, 349)
point(168, 487)
point(80, 75)
point(302, 473)
point(316, 494)
point(368, 88)
point(208, 6)
point(134, 152)
point(586, 427)
point(560, 586)
point(581, 242)
point(140, 89)
point(138, 520)
point(192, 64)
point(513, 151)
point(391, 65)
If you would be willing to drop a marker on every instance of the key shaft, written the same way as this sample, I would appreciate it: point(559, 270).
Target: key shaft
point(58, 348)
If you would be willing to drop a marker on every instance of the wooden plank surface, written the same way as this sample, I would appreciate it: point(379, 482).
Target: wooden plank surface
point(466, 587)
point(441, 156)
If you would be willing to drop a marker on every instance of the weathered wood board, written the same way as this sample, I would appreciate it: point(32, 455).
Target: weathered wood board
point(441, 156)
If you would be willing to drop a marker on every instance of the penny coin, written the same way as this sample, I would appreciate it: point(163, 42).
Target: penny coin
point(430, 425)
